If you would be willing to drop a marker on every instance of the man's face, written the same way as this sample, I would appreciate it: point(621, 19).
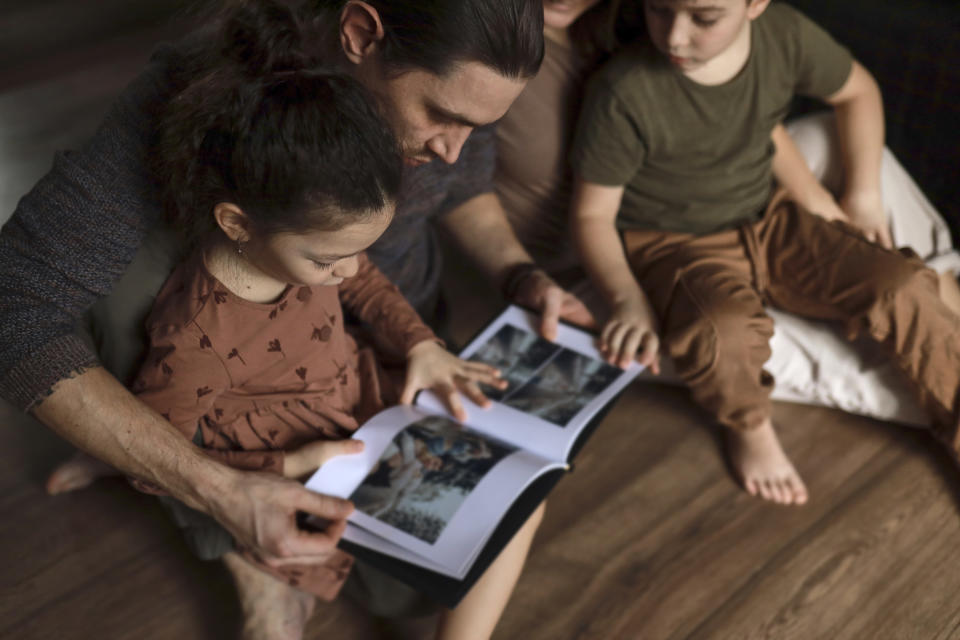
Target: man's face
point(433, 115)
point(693, 32)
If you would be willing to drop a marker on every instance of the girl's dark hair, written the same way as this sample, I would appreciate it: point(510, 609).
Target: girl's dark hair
point(436, 35)
point(294, 146)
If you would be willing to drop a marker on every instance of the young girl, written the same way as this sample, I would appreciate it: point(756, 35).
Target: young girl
point(281, 176)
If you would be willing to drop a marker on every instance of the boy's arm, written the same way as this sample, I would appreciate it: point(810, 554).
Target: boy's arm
point(859, 111)
point(632, 324)
point(794, 175)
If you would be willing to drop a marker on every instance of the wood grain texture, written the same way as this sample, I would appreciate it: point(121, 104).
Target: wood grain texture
point(650, 537)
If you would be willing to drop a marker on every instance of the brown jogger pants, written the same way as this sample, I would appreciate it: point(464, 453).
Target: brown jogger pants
point(709, 292)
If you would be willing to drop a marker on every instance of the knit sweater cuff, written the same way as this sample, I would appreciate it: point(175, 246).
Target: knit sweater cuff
point(32, 379)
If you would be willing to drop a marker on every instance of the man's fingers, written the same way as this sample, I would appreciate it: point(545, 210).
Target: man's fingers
point(575, 312)
point(552, 301)
point(310, 547)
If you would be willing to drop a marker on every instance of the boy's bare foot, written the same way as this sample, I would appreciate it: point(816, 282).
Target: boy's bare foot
point(763, 466)
point(272, 610)
point(76, 473)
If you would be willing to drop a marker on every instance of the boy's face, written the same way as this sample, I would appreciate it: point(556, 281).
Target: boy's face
point(691, 33)
point(316, 258)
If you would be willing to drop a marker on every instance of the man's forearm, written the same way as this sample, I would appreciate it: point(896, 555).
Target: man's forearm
point(481, 229)
point(98, 415)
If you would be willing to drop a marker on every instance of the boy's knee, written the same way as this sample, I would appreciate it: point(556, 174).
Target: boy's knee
point(721, 335)
point(903, 281)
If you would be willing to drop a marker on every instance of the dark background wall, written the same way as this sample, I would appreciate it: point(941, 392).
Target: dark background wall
point(50, 100)
point(912, 47)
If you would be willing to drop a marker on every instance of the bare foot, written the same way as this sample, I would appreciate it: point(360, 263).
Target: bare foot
point(763, 467)
point(78, 472)
point(272, 610)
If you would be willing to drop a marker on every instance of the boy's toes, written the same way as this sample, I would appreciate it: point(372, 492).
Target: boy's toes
point(797, 489)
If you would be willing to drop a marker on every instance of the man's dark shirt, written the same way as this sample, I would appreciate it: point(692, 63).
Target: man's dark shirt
point(72, 237)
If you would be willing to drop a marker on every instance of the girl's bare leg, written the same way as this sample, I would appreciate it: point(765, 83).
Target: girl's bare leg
point(272, 610)
point(77, 472)
point(478, 613)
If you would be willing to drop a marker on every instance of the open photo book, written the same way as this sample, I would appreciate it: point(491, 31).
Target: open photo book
point(435, 499)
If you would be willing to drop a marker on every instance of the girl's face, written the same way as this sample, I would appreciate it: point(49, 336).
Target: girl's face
point(560, 14)
point(315, 258)
point(691, 33)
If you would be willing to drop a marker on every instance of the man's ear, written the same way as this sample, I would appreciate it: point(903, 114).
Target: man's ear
point(233, 221)
point(360, 30)
point(757, 7)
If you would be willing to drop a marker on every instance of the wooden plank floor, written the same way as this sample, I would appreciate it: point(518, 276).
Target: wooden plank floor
point(648, 538)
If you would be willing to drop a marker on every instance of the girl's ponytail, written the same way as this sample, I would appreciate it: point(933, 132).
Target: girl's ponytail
point(263, 37)
point(265, 127)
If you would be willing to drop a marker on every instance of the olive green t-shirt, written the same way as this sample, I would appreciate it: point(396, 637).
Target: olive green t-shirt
point(696, 158)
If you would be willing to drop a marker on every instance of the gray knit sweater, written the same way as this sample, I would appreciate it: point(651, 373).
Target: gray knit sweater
point(75, 233)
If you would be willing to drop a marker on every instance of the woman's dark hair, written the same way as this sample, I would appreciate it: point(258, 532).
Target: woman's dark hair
point(607, 26)
point(436, 35)
point(295, 147)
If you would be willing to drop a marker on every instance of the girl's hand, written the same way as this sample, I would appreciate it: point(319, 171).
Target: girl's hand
point(311, 457)
point(430, 366)
point(865, 211)
point(632, 327)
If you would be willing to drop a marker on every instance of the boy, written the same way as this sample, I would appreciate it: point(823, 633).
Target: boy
point(678, 144)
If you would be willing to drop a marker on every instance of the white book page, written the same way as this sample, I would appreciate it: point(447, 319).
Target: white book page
point(427, 485)
point(555, 388)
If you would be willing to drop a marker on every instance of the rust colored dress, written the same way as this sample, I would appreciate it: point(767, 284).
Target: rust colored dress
point(247, 380)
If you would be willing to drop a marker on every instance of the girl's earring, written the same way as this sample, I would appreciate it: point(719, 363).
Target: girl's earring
point(240, 248)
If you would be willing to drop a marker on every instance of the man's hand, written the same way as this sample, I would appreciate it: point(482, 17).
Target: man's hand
point(538, 291)
point(864, 210)
point(260, 511)
point(430, 366)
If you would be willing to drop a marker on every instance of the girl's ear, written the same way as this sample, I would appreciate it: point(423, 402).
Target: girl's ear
point(360, 30)
point(233, 221)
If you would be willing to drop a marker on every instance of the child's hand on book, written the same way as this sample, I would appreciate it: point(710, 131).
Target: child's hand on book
point(311, 457)
point(631, 332)
point(430, 366)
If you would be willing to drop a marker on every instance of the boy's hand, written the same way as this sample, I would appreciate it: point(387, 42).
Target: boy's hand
point(632, 327)
point(864, 209)
point(430, 366)
point(311, 457)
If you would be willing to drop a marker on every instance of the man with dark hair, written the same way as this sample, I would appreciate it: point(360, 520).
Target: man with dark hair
point(438, 69)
